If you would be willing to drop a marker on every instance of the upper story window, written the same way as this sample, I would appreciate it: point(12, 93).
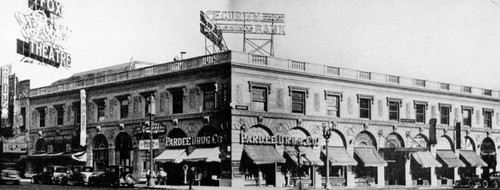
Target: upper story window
point(444, 110)
point(333, 103)
point(444, 86)
point(487, 92)
point(124, 105)
point(365, 75)
point(78, 112)
point(101, 106)
point(420, 108)
point(420, 83)
point(41, 113)
point(299, 96)
point(177, 99)
point(466, 89)
point(393, 79)
point(22, 126)
point(259, 93)
point(467, 115)
point(365, 106)
point(148, 98)
point(487, 114)
point(60, 114)
point(209, 92)
point(394, 105)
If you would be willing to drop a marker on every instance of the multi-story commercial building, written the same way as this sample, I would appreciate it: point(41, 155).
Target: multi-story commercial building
point(243, 119)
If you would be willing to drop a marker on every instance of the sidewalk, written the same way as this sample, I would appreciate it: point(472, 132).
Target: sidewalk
point(185, 187)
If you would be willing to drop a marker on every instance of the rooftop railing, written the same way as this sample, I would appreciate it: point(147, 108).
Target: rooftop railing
point(271, 63)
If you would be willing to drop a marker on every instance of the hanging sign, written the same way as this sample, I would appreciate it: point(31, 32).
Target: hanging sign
point(145, 144)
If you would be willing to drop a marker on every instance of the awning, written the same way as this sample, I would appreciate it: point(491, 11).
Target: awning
point(339, 157)
point(79, 156)
point(309, 155)
point(448, 158)
point(204, 154)
point(469, 157)
point(369, 156)
point(262, 154)
point(171, 155)
point(426, 159)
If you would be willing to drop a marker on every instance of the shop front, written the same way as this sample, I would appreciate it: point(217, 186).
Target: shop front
point(472, 160)
point(62, 150)
point(488, 154)
point(371, 165)
point(449, 160)
point(341, 162)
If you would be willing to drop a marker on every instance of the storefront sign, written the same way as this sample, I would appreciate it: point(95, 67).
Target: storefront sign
point(14, 147)
point(145, 144)
point(83, 117)
point(403, 120)
point(144, 129)
point(278, 140)
point(59, 138)
point(193, 141)
point(5, 90)
point(241, 107)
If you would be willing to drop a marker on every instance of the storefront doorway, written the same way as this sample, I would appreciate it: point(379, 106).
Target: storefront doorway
point(123, 149)
point(488, 154)
point(100, 152)
point(446, 155)
point(369, 160)
point(396, 159)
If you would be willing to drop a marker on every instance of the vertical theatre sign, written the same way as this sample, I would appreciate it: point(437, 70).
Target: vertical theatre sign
point(83, 117)
point(5, 92)
point(43, 33)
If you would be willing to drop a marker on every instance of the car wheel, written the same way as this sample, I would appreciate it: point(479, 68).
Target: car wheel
point(457, 183)
point(495, 183)
point(485, 183)
point(471, 184)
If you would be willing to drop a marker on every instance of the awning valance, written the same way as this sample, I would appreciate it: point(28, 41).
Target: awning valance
point(309, 155)
point(204, 154)
point(469, 157)
point(369, 156)
point(76, 156)
point(79, 156)
point(448, 158)
point(426, 160)
point(171, 155)
point(262, 154)
point(339, 157)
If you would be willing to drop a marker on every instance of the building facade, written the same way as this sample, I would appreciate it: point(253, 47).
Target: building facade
point(243, 119)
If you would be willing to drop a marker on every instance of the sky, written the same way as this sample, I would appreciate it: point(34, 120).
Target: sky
point(451, 41)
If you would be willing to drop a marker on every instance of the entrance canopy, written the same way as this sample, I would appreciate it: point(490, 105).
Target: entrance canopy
point(369, 156)
point(448, 158)
point(78, 156)
point(339, 157)
point(171, 155)
point(204, 154)
point(425, 159)
point(470, 158)
point(261, 154)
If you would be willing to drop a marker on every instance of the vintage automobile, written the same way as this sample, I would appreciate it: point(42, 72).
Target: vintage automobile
point(114, 176)
point(492, 180)
point(79, 175)
point(468, 181)
point(9, 174)
point(52, 174)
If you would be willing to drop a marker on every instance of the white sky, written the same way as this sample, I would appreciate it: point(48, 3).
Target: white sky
point(453, 41)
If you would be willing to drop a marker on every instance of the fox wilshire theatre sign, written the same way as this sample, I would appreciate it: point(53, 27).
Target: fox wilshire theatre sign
point(279, 140)
point(43, 33)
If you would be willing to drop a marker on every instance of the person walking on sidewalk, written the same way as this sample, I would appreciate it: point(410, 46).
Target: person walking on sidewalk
point(190, 177)
point(162, 177)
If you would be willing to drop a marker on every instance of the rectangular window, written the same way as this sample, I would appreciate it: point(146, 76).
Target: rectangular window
point(365, 108)
point(177, 101)
point(332, 105)
point(60, 114)
point(365, 75)
point(487, 92)
point(22, 126)
point(124, 107)
point(420, 113)
point(41, 115)
point(77, 110)
point(467, 115)
point(420, 83)
point(101, 106)
point(466, 89)
point(394, 110)
point(393, 79)
point(487, 114)
point(259, 98)
point(148, 97)
point(445, 114)
point(298, 102)
point(209, 100)
point(444, 86)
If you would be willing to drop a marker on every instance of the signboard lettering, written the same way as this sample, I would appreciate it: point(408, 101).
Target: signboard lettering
point(83, 118)
point(279, 140)
point(192, 141)
point(247, 22)
point(14, 147)
point(5, 90)
point(210, 30)
point(145, 144)
point(403, 120)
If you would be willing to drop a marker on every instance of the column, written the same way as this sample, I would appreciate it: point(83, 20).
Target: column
point(381, 176)
point(317, 177)
point(408, 176)
point(349, 176)
point(280, 178)
point(455, 169)
point(433, 177)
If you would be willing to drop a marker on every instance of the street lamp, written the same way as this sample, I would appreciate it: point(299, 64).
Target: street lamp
point(327, 132)
point(152, 112)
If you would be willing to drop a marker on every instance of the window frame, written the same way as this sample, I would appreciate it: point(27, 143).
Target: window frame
point(146, 96)
point(259, 85)
point(339, 99)
point(77, 106)
point(59, 114)
point(490, 123)
point(205, 88)
point(470, 110)
point(177, 93)
point(124, 113)
point(101, 108)
point(424, 114)
point(399, 102)
point(305, 92)
point(369, 98)
point(41, 120)
point(441, 113)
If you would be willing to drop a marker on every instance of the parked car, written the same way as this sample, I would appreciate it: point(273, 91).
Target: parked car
point(9, 175)
point(492, 180)
point(79, 175)
point(52, 174)
point(114, 176)
point(468, 181)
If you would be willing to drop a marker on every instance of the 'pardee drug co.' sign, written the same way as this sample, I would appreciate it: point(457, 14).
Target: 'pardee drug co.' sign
point(44, 34)
point(279, 140)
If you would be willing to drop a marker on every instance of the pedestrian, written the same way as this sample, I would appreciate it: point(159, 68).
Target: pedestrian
point(190, 177)
point(162, 177)
point(148, 176)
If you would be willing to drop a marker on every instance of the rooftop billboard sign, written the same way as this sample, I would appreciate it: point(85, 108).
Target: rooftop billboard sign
point(248, 22)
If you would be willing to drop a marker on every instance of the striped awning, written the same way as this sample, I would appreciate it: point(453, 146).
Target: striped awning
point(263, 154)
point(204, 154)
point(171, 155)
point(425, 159)
point(448, 158)
point(309, 156)
point(338, 156)
point(470, 158)
point(369, 156)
